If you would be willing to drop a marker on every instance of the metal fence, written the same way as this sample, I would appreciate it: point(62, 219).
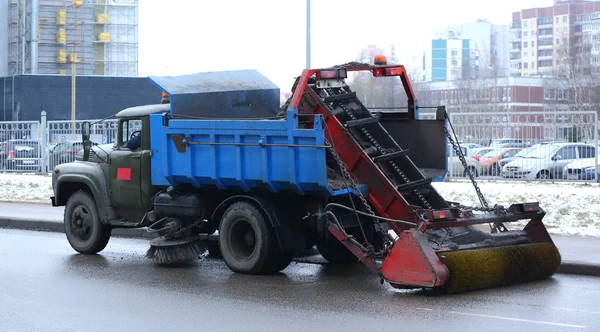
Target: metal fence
point(527, 145)
point(517, 145)
point(64, 138)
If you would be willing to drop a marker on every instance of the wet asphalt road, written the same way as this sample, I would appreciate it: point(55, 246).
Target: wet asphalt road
point(47, 287)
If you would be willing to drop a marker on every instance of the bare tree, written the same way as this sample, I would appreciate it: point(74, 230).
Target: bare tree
point(575, 84)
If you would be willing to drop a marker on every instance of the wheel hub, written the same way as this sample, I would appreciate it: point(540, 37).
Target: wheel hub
point(81, 222)
point(242, 239)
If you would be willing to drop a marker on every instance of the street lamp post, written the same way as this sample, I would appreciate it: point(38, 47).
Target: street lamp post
point(307, 34)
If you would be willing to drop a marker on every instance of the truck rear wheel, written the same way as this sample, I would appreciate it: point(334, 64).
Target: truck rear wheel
point(85, 233)
point(247, 241)
point(334, 251)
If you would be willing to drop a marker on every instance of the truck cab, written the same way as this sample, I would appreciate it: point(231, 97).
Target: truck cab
point(130, 162)
point(116, 176)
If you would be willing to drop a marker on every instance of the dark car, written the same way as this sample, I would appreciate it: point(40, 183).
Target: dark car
point(63, 152)
point(18, 154)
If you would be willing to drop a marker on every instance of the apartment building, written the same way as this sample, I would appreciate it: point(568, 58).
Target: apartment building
point(470, 50)
point(561, 39)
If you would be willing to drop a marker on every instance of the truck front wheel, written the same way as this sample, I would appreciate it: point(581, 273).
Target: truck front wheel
point(247, 241)
point(83, 228)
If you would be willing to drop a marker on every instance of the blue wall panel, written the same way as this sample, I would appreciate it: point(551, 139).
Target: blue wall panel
point(97, 96)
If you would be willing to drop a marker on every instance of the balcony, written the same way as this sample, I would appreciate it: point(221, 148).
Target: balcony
point(545, 22)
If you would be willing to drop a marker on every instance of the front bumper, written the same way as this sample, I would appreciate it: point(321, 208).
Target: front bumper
point(515, 174)
point(578, 174)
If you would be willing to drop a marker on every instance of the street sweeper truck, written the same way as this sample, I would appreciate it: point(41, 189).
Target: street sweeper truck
point(222, 160)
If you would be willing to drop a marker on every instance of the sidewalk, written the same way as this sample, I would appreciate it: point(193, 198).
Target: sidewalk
point(580, 255)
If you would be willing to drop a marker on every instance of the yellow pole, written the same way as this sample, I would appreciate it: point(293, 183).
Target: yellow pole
point(73, 98)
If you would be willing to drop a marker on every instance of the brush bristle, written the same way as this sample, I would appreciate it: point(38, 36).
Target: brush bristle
point(499, 266)
point(175, 254)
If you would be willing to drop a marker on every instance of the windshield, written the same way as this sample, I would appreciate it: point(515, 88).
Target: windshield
point(541, 152)
point(493, 154)
point(482, 152)
point(29, 145)
point(524, 152)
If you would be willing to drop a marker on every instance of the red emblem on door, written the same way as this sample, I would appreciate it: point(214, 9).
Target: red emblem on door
point(124, 174)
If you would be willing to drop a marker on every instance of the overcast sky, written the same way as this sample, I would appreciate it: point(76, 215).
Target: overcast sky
point(185, 36)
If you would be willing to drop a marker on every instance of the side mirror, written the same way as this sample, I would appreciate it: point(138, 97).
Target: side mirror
point(558, 157)
point(85, 138)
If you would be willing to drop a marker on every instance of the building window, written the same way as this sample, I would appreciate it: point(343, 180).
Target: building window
point(556, 19)
point(565, 19)
point(525, 33)
point(454, 53)
point(454, 63)
point(532, 65)
point(524, 44)
point(525, 65)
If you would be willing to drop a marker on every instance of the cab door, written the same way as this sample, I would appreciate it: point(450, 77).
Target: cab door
point(125, 168)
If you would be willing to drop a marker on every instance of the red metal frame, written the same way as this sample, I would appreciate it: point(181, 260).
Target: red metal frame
point(411, 262)
point(377, 71)
point(382, 194)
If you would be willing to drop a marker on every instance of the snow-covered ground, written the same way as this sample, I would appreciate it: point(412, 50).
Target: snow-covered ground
point(572, 208)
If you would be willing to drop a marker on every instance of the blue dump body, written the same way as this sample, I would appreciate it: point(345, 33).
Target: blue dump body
point(247, 155)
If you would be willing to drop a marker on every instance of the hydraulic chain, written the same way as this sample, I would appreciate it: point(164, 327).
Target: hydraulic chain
point(362, 198)
point(456, 147)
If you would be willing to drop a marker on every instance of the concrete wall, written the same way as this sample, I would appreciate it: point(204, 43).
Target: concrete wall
point(97, 97)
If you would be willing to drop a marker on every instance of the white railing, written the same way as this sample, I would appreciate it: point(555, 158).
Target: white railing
point(497, 145)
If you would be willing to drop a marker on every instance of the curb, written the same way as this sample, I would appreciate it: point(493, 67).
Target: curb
point(566, 267)
point(55, 226)
point(579, 268)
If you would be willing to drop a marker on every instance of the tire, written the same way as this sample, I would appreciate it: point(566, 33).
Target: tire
point(495, 170)
point(282, 260)
point(334, 251)
point(213, 249)
point(473, 171)
point(247, 241)
point(84, 231)
point(543, 175)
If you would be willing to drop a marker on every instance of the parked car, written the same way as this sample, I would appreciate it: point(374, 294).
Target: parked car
point(520, 154)
point(582, 169)
point(547, 161)
point(63, 152)
point(20, 154)
point(490, 161)
point(455, 167)
point(479, 152)
point(502, 142)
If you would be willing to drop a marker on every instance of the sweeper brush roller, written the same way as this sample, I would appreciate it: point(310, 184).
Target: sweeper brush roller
point(499, 266)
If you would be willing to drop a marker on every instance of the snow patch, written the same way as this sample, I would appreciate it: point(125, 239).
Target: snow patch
point(571, 208)
point(25, 188)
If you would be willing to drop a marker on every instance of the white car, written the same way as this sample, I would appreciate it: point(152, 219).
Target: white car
point(455, 167)
point(547, 161)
